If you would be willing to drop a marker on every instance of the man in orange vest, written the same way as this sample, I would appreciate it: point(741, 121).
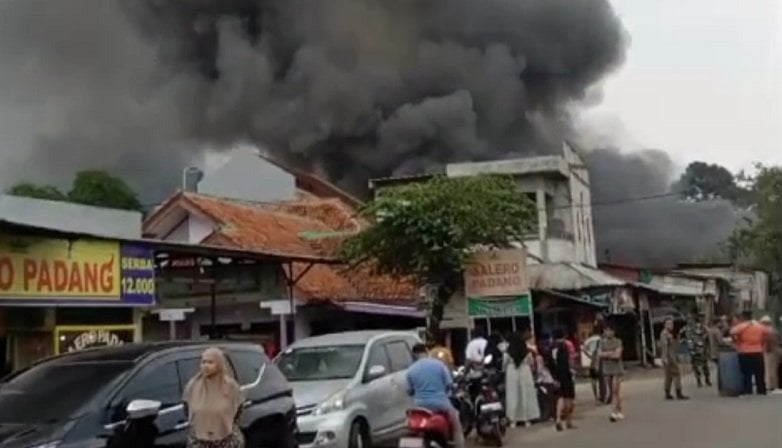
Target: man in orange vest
point(750, 338)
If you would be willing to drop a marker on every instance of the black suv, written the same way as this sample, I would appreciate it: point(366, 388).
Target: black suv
point(104, 397)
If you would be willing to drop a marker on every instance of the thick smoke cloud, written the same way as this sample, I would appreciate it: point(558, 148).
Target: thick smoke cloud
point(636, 223)
point(378, 86)
point(350, 89)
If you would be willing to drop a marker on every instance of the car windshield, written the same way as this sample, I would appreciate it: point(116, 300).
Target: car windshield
point(54, 391)
point(320, 363)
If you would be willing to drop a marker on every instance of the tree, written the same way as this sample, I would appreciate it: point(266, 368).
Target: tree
point(427, 231)
point(703, 182)
point(101, 189)
point(30, 190)
point(760, 238)
point(93, 187)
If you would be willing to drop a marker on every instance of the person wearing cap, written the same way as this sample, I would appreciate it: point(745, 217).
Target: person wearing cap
point(771, 354)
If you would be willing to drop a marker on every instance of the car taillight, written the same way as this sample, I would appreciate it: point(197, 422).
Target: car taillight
point(490, 395)
point(416, 420)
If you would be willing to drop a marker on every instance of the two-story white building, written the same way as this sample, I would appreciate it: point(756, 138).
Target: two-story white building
point(562, 260)
point(559, 187)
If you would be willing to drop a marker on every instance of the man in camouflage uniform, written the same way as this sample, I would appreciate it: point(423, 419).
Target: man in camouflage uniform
point(697, 337)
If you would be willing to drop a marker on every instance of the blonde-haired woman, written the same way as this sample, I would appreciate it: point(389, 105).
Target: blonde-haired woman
point(213, 399)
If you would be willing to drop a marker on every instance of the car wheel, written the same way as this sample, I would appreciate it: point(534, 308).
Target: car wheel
point(359, 435)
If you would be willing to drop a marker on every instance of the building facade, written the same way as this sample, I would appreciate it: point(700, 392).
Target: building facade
point(748, 288)
point(558, 185)
point(298, 216)
point(71, 276)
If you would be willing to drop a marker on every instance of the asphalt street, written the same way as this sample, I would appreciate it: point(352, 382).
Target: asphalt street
point(705, 421)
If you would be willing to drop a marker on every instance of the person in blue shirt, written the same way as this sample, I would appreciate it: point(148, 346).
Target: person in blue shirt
point(428, 382)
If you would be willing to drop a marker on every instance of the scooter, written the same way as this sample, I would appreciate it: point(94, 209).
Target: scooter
point(430, 429)
point(427, 429)
point(491, 422)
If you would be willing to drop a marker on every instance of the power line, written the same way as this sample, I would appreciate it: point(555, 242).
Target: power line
point(621, 201)
point(637, 199)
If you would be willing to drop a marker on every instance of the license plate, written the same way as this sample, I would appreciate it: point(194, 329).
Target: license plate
point(491, 407)
point(411, 442)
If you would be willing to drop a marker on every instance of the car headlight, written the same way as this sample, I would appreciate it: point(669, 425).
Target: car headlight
point(335, 403)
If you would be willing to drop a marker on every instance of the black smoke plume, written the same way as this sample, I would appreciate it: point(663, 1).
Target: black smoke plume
point(351, 89)
point(640, 221)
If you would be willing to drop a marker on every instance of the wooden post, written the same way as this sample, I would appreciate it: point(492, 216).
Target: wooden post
point(213, 311)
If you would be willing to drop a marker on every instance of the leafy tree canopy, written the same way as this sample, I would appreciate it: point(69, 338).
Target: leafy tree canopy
point(427, 231)
point(101, 189)
point(760, 238)
point(703, 181)
point(92, 187)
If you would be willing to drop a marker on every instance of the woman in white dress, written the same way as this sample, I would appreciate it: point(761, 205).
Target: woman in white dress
point(521, 397)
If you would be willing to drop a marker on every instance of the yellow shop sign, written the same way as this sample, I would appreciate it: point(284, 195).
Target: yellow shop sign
point(44, 268)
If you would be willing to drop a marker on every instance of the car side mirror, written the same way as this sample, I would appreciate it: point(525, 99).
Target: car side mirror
point(139, 409)
point(376, 372)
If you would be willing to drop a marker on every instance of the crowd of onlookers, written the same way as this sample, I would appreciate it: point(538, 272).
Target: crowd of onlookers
point(548, 364)
point(540, 375)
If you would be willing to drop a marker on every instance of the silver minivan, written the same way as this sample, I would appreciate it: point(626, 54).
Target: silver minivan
point(350, 388)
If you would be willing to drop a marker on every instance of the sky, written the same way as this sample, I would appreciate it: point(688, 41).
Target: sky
point(702, 81)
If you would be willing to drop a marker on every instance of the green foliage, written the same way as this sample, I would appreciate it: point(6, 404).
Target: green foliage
point(101, 189)
point(426, 231)
point(30, 190)
point(760, 239)
point(703, 182)
point(96, 188)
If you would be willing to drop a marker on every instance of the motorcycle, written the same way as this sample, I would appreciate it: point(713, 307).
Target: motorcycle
point(462, 401)
point(429, 429)
point(491, 421)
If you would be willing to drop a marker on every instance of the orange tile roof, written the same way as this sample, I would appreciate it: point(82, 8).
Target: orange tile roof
point(278, 226)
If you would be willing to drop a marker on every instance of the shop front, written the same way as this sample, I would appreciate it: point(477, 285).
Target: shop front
point(498, 298)
point(64, 293)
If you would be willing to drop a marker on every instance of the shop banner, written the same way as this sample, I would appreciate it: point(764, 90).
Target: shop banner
point(75, 338)
point(78, 271)
point(499, 306)
point(496, 273)
point(138, 274)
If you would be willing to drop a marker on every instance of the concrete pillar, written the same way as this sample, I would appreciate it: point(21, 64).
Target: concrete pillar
point(302, 328)
point(540, 203)
point(138, 321)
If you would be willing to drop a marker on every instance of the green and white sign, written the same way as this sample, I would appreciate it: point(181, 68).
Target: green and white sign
point(486, 307)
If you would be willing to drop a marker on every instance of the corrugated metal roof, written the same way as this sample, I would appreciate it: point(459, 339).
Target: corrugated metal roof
point(179, 248)
point(70, 217)
point(671, 290)
point(569, 277)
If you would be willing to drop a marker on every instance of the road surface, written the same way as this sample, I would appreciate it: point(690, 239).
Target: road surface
point(706, 421)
